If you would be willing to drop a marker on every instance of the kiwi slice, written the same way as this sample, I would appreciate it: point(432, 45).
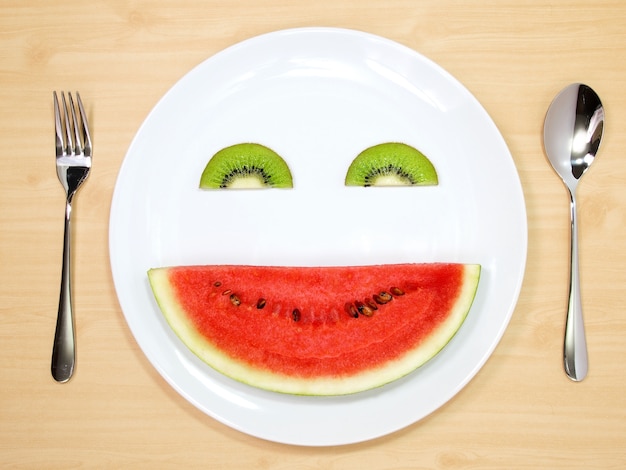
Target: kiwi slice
point(391, 164)
point(248, 166)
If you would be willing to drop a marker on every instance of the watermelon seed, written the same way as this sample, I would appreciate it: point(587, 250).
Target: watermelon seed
point(217, 283)
point(260, 303)
point(351, 309)
point(382, 298)
point(364, 309)
point(295, 314)
point(235, 300)
point(227, 292)
point(396, 291)
point(371, 304)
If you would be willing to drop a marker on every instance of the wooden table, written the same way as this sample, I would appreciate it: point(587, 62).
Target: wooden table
point(520, 411)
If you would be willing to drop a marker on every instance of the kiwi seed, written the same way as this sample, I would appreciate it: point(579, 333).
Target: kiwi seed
point(246, 165)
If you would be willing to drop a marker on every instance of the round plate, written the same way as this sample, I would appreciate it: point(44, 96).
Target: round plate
point(318, 97)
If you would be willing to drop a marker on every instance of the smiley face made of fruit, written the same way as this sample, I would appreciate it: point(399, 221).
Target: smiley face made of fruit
point(325, 330)
point(254, 166)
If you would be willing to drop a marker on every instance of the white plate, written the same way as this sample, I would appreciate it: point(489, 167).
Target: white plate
point(318, 97)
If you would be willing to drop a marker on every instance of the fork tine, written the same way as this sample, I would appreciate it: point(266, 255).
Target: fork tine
point(58, 130)
point(85, 126)
point(69, 147)
point(77, 143)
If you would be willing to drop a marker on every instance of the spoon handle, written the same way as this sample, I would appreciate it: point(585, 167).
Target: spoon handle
point(575, 344)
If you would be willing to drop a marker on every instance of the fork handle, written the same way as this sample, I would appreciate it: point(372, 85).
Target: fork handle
point(64, 348)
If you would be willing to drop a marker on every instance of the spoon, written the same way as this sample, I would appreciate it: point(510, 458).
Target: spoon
point(572, 133)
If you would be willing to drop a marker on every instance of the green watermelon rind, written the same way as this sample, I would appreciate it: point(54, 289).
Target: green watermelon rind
point(323, 386)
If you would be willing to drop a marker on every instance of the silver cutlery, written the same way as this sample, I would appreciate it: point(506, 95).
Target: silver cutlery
point(73, 162)
point(572, 133)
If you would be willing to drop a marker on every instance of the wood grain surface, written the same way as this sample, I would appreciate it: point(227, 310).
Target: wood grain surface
point(519, 412)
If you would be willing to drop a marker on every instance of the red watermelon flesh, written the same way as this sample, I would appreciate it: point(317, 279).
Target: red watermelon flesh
point(316, 330)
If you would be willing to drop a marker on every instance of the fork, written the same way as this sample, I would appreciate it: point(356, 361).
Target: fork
point(73, 162)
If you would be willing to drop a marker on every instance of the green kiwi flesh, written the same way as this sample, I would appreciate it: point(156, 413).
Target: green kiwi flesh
point(391, 164)
point(246, 166)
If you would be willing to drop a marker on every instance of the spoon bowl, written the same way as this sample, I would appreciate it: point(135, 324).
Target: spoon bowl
point(572, 132)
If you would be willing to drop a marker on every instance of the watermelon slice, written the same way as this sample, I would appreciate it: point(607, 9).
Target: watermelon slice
point(316, 330)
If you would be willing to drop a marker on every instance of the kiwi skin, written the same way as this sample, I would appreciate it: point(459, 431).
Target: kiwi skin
point(391, 164)
point(246, 165)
